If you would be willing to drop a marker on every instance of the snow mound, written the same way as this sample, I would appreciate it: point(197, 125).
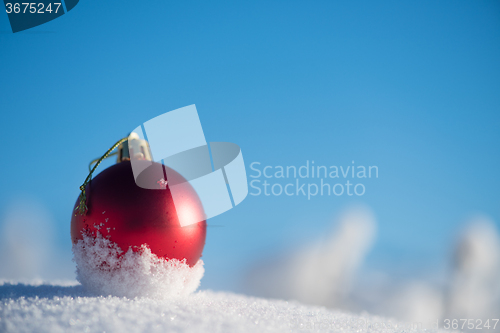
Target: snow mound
point(49, 308)
point(103, 269)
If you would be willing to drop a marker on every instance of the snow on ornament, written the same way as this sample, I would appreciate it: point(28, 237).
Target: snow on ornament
point(139, 227)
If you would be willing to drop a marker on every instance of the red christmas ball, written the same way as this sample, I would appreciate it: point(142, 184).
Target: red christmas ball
point(132, 216)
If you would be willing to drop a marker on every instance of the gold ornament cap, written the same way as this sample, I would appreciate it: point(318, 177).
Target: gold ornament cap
point(134, 148)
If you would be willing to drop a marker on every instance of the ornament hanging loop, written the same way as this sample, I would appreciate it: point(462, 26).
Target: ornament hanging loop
point(82, 207)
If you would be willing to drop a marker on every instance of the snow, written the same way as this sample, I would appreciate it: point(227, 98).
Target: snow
point(323, 272)
point(136, 291)
point(70, 308)
point(474, 290)
point(330, 272)
point(103, 268)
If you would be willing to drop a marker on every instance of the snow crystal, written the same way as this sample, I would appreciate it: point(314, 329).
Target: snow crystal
point(104, 269)
point(46, 308)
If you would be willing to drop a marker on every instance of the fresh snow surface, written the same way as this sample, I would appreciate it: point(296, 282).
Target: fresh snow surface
point(135, 291)
point(70, 308)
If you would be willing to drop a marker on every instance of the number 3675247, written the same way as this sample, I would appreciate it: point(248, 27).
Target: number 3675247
point(32, 7)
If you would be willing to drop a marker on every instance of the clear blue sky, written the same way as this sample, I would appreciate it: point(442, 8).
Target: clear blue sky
point(412, 87)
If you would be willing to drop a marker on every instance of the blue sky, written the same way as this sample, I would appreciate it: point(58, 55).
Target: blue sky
point(410, 87)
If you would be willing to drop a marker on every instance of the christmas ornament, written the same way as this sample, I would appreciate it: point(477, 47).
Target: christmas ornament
point(113, 205)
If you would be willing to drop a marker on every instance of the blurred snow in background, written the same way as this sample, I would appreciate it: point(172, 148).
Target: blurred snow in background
point(328, 273)
point(474, 291)
point(27, 244)
point(322, 273)
point(26, 238)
